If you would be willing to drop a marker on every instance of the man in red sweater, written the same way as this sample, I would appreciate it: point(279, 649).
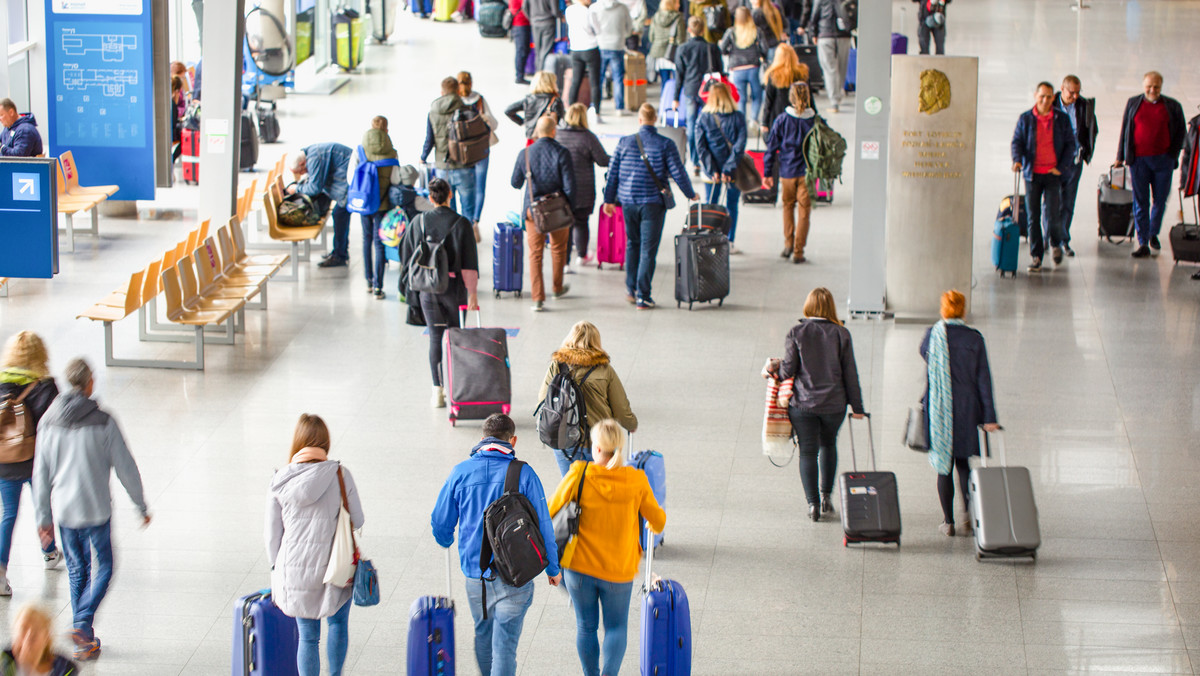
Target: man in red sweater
point(1043, 149)
point(1152, 135)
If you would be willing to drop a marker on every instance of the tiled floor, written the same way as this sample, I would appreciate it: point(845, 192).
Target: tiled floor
point(1095, 368)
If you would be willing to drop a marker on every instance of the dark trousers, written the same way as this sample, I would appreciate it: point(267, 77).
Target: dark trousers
point(521, 37)
point(816, 435)
point(441, 312)
point(945, 484)
point(589, 59)
point(643, 233)
point(1151, 181)
point(579, 233)
point(939, 38)
point(1049, 188)
point(373, 266)
point(341, 233)
point(544, 36)
point(1070, 189)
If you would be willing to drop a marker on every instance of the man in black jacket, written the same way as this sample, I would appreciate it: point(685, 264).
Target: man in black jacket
point(931, 22)
point(1152, 132)
point(549, 168)
point(693, 60)
point(1082, 114)
point(828, 27)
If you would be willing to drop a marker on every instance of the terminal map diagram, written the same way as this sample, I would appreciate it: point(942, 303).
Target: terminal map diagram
point(101, 96)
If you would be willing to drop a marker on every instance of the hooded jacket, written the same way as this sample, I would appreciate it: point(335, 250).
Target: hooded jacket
point(302, 512)
point(820, 356)
point(78, 446)
point(666, 24)
point(613, 24)
point(527, 111)
point(586, 154)
point(61, 667)
point(785, 143)
point(437, 131)
point(474, 484)
point(22, 139)
point(715, 154)
point(608, 546)
point(378, 146)
point(13, 382)
point(603, 394)
point(550, 171)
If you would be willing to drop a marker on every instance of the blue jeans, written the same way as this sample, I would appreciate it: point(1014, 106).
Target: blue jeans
point(1151, 179)
point(564, 463)
point(308, 655)
point(522, 36)
point(10, 493)
point(732, 197)
point(371, 243)
point(463, 182)
point(694, 104)
point(480, 170)
point(496, 637)
point(1070, 189)
point(1048, 186)
point(87, 591)
point(592, 596)
point(616, 58)
point(643, 233)
point(341, 233)
point(749, 89)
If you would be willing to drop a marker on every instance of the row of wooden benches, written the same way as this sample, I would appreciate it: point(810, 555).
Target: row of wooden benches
point(74, 198)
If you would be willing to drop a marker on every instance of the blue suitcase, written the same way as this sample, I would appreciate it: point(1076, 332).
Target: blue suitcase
point(431, 633)
point(264, 639)
point(666, 626)
point(508, 258)
point(652, 463)
point(852, 70)
point(1006, 235)
point(899, 43)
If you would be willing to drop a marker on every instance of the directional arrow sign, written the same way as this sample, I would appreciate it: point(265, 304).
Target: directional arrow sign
point(26, 187)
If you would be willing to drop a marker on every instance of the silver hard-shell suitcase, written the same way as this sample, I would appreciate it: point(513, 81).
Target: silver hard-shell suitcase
point(1003, 512)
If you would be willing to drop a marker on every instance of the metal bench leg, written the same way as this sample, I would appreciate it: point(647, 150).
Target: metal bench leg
point(196, 365)
point(70, 234)
point(261, 303)
point(95, 221)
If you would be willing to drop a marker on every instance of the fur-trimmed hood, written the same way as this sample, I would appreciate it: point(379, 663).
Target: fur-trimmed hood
point(580, 357)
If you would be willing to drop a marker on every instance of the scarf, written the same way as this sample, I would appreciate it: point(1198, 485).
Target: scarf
point(310, 454)
point(19, 376)
point(941, 405)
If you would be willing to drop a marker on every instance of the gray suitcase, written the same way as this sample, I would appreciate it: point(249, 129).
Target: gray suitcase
point(1003, 512)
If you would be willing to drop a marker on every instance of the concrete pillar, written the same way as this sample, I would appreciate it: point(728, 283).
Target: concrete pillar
point(221, 112)
point(869, 154)
point(164, 173)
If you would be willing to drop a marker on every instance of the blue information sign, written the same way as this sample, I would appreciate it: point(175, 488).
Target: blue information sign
point(28, 218)
point(99, 74)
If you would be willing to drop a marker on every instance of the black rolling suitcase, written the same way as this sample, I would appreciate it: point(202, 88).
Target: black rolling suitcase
point(1114, 206)
point(248, 153)
point(870, 500)
point(701, 267)
point(807, 53)
point(1185, 237)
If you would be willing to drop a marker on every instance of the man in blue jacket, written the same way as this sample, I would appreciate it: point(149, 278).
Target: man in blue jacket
point(20, 137)
point(474, 484)
point(321, 168)
point(1081, 113)
point(1043, 149)
point(637, 179)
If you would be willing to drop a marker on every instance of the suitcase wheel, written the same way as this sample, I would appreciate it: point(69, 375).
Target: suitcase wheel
point(978, 556)
point(845, 542)
point(518, 294)
point(496, 294)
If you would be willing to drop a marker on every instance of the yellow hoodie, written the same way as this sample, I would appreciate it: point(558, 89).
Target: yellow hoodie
point(607, 546)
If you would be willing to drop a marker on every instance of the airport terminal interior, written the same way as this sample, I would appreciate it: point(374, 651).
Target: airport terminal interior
point(1094, 363)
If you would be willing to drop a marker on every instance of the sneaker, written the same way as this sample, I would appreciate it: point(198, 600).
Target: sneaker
point(52, 559)
point(1155, 244)
point(733, 250)
point(563, 291)
point(520, 80)
point(1058, 255)
point(1070, 252)
point(332, 262)
point(965, 527)
point(567, 270)
point(5, 589)
point(439, 397)
point(1196, 275)
point(1142, 251)
point(539, 306)
point(642, 305)
point(88, 652)
point(797, 260)
point(1035, 265)
point(787, 252)
point(946, 529)
point(630, 299)
point(379, 295)
point(583, 261)
point(647, 302)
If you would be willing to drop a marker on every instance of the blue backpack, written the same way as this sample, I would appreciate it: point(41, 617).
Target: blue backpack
point(363, 196)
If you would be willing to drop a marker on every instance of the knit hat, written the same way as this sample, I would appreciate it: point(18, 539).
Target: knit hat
point(408, 174)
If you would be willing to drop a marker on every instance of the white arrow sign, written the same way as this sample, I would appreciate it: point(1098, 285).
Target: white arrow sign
point(27, 186)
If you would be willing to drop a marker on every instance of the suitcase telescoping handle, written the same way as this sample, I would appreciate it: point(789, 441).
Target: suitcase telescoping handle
point(870, 441)
point(462, 317)
point(1013, 203)
point(985, 441)
point(649, 558)
point(449, 568)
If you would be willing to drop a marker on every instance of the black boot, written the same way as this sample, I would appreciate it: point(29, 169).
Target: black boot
point(814, 512)
point(826, 503)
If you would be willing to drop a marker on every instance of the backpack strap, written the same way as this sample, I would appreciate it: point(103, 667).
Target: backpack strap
point(512, 484)
point(512, 478)
point(26, 392)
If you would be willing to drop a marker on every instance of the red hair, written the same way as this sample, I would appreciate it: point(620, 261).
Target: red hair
point(954, 305)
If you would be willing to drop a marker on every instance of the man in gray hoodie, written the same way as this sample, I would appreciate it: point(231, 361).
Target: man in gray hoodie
point(78, 446)
point(613, 24)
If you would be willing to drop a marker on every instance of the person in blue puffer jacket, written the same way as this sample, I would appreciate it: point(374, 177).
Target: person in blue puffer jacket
point(20, 137)
point(720, 144)
point(785, 147)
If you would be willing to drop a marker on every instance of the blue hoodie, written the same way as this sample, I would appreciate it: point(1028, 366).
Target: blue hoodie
point(474, 484)
point(22, 139)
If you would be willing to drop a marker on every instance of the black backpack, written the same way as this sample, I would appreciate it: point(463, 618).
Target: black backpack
point(847, 14)
point(428, 269)
point(513, 547)
point(716, 18)
point(562, 416)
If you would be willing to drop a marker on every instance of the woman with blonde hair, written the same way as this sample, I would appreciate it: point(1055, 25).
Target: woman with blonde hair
point(600, 571)
point(819, 354)
point(785, 71)
point(302, 513)
point(542, 99)
point(25, 378)
point(586, 362)
point(668, 29)
point(744, 54)
point(586, 155)
point(957, 400)
point(770, 24)
point(720, 143)
point(32, 650)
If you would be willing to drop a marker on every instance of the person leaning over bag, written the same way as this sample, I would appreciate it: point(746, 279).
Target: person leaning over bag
point(543, 99)
point(586, 155)
point(607, 549)
point(321, 169)
point(957, 400)
point(603, 394)
point(785, 156)
point(720, 144)
point(819, 355)
point(549, 167)
point(26, 376)
point(303, 506)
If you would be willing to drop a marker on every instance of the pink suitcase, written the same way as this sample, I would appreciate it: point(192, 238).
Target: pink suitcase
point(610, 239)
point(824, 192)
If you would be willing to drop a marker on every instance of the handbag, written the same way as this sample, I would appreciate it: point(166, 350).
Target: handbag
point(566, 525)
point(366, 578)
point(668, 197)
point(745, 175)
point(672, 48)
point(915, 432)
point(343, 557)
point(549, 212)
point(716, 76)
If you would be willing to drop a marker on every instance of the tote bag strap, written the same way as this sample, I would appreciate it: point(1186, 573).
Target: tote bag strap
point(346, 504)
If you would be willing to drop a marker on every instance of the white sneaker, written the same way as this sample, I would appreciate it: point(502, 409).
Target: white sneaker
point(52, 559)
point(733, 250)
point(583, 261)
point(439, 397)
point(567, 270)
point(5, 590)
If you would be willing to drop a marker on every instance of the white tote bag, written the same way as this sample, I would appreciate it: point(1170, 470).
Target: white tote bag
point(342, 562)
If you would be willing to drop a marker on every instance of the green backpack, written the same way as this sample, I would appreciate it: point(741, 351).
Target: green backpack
point(824, 150)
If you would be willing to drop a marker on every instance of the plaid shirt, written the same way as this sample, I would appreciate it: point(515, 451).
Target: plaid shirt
point(628, 180)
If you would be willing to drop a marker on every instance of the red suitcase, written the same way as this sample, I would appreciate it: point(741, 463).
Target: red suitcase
point(824, 192)
point(610, 239)
point(190, 155)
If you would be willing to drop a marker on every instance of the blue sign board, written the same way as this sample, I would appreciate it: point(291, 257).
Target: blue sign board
point(99, 74)
point(28, 218)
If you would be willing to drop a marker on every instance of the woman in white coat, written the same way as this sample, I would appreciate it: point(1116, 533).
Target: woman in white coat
point(302, 514)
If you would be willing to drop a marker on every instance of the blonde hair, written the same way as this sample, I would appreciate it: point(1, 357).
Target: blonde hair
point(820, 304)
point(608, 437)
point(544, 82)
point(745, 33)
point(774, 19)
point(719, 100)
point(583, 336)
point(786, 69)
point(577, 115)
point(310, 431)
point(25, 350)
point(36, 615)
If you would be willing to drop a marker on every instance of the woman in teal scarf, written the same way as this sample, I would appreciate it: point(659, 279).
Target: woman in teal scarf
point(958, 398)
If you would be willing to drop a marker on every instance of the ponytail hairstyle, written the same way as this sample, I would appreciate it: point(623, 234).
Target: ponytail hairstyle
point(608, 437)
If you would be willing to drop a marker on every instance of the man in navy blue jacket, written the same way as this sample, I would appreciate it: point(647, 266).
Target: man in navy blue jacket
point(20, 137)
point(550, 171)
point(474, 484)
point(1043, 149)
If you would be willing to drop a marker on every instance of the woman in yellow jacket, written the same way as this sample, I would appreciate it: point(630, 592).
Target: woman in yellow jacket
point(601, 568)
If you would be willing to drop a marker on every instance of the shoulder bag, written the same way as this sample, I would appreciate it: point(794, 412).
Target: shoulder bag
point(668, 197)
point(363, 574)
point(915, 433)
point(566, 524)
point(549, 212)
point(672, 48)
point(745, 175)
